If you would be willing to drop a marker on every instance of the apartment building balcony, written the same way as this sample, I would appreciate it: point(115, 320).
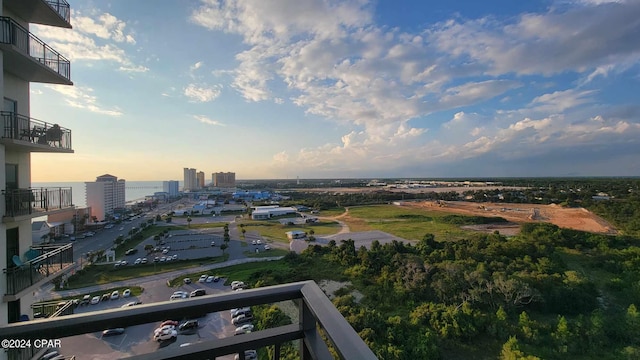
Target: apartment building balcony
point(21, 204)
point(22, 133)
point(49, 261)
point(44, 12)
point(30, 58)
point(318, 326)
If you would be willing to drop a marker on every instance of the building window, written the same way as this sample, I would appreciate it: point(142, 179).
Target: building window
point(13, 311)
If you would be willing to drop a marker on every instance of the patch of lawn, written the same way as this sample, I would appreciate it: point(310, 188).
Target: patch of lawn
point(135, 291)
point(266, 253)
point(410, 224)
point(277, 232)
point(104, 274)
point(271, 273)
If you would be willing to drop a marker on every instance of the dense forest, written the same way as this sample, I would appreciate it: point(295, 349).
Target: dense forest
point(548, 293)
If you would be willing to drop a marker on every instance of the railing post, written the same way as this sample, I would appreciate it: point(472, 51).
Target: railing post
point(308, 322)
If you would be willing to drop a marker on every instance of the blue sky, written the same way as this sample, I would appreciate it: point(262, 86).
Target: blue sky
point(335, 89)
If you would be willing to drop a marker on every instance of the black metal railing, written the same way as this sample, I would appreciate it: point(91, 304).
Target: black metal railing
point(15, 34)
point(20, 127)
point(61, 7)
point(318, 319)
point(32, 201)
point(51, 259)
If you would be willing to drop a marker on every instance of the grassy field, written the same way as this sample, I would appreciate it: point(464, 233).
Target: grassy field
point(135, 291)
point(270, 272)
point(410, 224)
point(276, 231)
point(104, 274)
point(270, 253)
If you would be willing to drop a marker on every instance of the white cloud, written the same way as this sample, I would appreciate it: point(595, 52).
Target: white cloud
point(94, 37)
point(205, 120)
point(202, 93)
point(82, 98)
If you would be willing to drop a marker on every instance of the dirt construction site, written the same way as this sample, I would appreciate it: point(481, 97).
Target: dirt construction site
point(572, 218)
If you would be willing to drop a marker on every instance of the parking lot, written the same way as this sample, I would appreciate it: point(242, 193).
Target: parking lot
point(138, 339)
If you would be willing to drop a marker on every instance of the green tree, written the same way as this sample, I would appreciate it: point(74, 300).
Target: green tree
point(561, 335)
point(511, 351)
point(223, 247)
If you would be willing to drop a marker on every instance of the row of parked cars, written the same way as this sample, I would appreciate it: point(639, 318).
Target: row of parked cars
point(87, 299)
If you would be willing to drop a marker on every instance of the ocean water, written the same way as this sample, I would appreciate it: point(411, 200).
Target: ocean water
point(134, 190)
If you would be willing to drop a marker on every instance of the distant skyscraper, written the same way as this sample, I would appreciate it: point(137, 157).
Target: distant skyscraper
point(225, 180)
point(190, 180)
point(200, 177)
point(104, 195)
point(171, 187)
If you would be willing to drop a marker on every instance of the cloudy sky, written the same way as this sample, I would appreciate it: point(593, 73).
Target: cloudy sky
point(335, 88)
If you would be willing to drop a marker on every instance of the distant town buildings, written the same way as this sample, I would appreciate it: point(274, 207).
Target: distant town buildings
point(171, 187)
point(190, 180)
point(224, 179)
point(200, 179)
point(105, 195)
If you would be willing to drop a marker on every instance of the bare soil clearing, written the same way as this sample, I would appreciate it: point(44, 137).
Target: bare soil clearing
point(571, 218)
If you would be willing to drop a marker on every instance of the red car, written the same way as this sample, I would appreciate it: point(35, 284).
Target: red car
point(169, 322)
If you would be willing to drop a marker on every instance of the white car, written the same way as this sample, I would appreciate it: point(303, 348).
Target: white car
point(237, 285)
point(267, 247)
point(165, 335)
point(238, 311)
point(246, 328)
point(259, 242)
point(253, 242)
point(95, 300)
point(138, 261)
point(115, 295)
point(209, 279)
point(248, 355)
point(165, 251)
point(164, 328)
point(175, 256)
point(179, 296)
point(126, 293)
point(203, 278)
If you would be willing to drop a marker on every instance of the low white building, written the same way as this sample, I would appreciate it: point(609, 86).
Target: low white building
point(296, 234)
point(267, 212)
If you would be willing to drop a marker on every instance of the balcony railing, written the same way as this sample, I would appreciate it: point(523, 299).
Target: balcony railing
point(15, 34)
point(52, 260)
point(318, 319)
point(20, 127)
point(61, 7)
point(35, 201)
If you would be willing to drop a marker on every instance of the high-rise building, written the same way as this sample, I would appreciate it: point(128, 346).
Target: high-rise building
point(105, 195)
point(224, 180)
point(200, 176)
point(190, 180)
point(24, 59)
point(171, 187)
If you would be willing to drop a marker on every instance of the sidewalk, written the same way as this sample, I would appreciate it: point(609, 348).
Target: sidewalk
point(48, 292)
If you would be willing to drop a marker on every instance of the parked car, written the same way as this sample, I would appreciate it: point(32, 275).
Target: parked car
point(246, 328)
point(253, 242)
point(248, 355)
point(105, 297)
point(213, 243)
point(144, 261)
point(198, 292)
point(203, 278)
point(85, 300)
point(267, 247)
point(138, 261)
point(126, 293)
point(165, 251)
point(242, 319)
point(95, 300)
point(113, 332)
point(186, 281)
point(216, 278)
point(165, 335)
point(187, 325)
point(181, 293)
point(178, 297)
point(132, 303)
point(115, 295)
point(169, 322)
point(175, 256)
point(237, 285)
point(209, 279)
point(240, 311)
point(131, 251)
point(258, 241)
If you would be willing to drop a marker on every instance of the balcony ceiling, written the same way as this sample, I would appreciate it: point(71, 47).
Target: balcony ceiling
point(37, 12)
point(28, 68)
